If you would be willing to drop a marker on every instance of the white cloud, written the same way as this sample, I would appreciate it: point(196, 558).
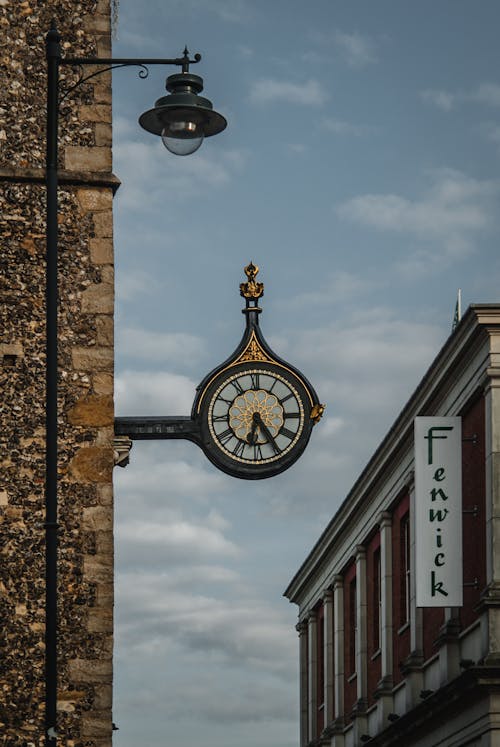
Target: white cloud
point(335, 287)
point(298, 148)
point(148, 345)
point(161, 476)
point(454, 210)
point(172, 541)
point(153, 393)
point(268, 90)
point(243, 630)
point(441, 99)
point(487, 94)
point(491, 131)
point(143, 166)
point(232, 11)
point(130, 286)
point(357, 49)
point(340, 127)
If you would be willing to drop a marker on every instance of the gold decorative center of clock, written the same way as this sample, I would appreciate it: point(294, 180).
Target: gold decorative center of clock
point(252, 408)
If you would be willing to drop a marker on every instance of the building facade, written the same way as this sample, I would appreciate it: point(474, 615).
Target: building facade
point(86, 415)
point(375, 669)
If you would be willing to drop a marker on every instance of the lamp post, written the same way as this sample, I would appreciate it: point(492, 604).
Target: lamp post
point(183, 119)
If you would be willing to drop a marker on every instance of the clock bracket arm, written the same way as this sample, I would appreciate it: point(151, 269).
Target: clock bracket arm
point(157, 428)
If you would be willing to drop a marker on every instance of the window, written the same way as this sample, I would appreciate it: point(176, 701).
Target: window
point(377, 600)
point(405, 570)
point(353, 634)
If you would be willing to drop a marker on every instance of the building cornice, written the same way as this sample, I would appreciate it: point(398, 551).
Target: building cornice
point(66, 178)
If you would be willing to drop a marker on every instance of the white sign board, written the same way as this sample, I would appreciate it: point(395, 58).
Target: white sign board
point(438, 512)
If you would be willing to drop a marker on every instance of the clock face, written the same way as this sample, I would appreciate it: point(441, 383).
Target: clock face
point(255, 422)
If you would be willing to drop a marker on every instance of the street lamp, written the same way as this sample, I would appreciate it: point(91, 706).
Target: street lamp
point(183, 119)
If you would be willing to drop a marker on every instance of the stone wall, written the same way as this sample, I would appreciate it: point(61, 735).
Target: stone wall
point(85, 378)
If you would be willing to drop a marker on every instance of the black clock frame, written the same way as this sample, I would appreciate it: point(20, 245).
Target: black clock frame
point(252, 354)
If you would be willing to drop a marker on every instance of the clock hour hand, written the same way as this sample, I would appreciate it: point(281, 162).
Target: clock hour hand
point(252, 434)
point(257, 419)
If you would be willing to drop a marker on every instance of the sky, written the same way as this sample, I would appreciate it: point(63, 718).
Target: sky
point(360, 170)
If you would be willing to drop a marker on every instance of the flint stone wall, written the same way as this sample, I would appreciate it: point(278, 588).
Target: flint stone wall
point(85, 378)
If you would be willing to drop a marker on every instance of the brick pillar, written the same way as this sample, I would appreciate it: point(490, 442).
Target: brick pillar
point(491, 599)
point(384, 688)
point(338, 643)
point(412, 667)
point(303, 680)
point(359, 712)
point(328, 653)
point(312, 674)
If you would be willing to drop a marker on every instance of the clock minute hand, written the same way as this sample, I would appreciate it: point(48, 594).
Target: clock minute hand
point(258, 419)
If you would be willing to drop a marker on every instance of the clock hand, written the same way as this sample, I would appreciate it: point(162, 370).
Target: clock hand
point(258, 420)
point(252, 434)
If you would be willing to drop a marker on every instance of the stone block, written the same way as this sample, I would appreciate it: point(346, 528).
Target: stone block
point(80, 158)
point(93, 359)
point(95, 113)
point(97, 519)
point(11, 348)
point(68, 699)
point(105, 495)
point(98, 299)
point(92, 411)
point(100, 621)
point(103, 697)
point(102, 383)
point(98, 569)
point(105, 595)
point(97, 22)
point(104, 537)
point(93, 200)
point(101, 251)
point(90, 670)
point(97, 724)
point(104, 45)
point(105, 330)
point(105, 436)
point(103, 225)
point(103, 134)
point(92, 464)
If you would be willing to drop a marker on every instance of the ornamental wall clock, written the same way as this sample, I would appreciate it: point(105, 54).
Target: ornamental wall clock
point(252, 415)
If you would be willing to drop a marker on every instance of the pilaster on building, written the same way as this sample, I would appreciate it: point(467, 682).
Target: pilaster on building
point(395, 673)
point(86, 353)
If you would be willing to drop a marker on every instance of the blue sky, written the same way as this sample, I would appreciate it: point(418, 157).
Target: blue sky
point(360, 171)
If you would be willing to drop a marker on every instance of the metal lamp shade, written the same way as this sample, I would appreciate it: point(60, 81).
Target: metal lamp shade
point(183, 105)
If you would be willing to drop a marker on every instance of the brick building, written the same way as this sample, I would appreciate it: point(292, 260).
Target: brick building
point(85, 378)
point(375, 669)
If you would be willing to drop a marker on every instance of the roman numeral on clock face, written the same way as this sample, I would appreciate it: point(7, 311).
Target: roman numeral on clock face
point(257, 452)
point(237, 386)
point(225, 436)
point(239, 448)
point(255, 379)
point(289, 434)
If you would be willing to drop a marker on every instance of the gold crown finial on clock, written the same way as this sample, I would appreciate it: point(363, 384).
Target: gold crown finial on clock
point(251, 289)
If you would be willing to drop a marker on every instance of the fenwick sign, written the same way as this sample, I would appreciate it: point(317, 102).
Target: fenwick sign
point(438, 512)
